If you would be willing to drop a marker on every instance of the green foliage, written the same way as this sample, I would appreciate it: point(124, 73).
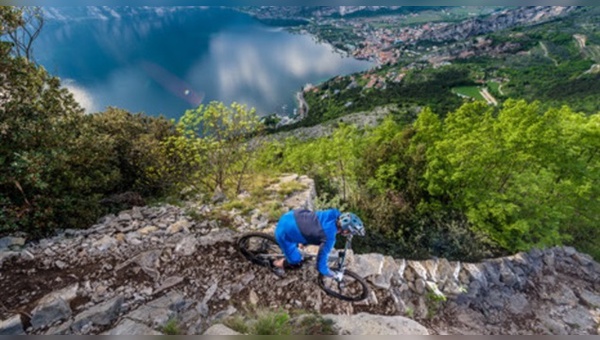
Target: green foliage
point(272, 323)
point(520, 175)
point(171, 327)
point(274, 211)
point(238, 324)
point(10, 19)
point(288, 188)
point(324, 202)
point(482, 182)
point(420, 87)
point(331, 157)
point(40, 125)
point(212, 150)
point(280, 322)
point(434, 303)
point(133, 141)
point(313, 324)
point(56, 164)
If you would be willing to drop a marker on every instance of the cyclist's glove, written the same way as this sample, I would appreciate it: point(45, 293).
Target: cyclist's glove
point(338, 276)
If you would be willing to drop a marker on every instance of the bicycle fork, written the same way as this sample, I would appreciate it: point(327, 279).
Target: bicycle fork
point(341, 265)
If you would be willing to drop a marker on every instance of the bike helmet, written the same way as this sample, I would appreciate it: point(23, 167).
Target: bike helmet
point(349, 221)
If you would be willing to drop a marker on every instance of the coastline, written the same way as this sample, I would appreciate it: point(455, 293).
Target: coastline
point(302, 105)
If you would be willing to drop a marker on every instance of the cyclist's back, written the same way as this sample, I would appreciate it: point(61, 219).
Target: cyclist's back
point(308, 227)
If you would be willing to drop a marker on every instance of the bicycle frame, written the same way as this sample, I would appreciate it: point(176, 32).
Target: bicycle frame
point(359, 287)
point(341, 260)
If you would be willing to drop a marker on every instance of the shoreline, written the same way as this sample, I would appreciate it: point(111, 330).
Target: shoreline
point(302, 105)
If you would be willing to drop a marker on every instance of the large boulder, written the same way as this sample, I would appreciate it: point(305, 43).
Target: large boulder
point(369, 324)
point(220, 329)
point(53, 307)
point(12, 326)
point(130, 327)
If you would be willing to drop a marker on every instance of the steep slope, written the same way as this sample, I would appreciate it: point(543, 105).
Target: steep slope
point(134, 272)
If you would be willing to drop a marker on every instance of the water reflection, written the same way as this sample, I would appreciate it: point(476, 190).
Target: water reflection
point(169, 62)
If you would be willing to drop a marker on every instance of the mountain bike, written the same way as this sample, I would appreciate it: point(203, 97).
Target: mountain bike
point(262, 249)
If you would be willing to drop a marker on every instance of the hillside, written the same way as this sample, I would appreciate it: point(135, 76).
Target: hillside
point(136, 272)
point(535, 53)
point(481, 208)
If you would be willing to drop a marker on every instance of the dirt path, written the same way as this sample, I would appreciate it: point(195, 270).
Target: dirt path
point(303, 106)
point(581, 40)
point(546, 54)
point(220, 272)
point(23, 283)
point(488, 97)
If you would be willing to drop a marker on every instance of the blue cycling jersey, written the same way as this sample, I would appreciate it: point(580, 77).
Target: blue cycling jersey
point(307, 227)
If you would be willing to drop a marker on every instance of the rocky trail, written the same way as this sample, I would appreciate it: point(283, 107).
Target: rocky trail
point(133, 273)
point(81, 272)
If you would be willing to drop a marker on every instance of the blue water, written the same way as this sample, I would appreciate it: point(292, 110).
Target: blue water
point(166, 64)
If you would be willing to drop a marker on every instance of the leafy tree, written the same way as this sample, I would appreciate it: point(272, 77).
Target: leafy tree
point(39, 124)
point(214, 145)
point(22, 36)
point(56, 164)
point(520, 175)
point(132, 141)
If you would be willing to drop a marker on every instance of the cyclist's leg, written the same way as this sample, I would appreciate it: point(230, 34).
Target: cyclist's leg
point(290, 249)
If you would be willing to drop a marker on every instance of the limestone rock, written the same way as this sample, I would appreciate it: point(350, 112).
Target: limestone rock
point(367, 264)
point(368, 324)
point(181, 225)
point(50, 309)
point(590, 299)
point(130, 327)
point(220, 329)
point(187, 246)
point(581, 319)
point(12, 326)
point(153, 315)
point(384, 280)
point(9, 242)
point(100, 315)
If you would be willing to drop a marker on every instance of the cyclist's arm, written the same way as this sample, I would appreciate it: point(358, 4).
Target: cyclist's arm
point(323, 256)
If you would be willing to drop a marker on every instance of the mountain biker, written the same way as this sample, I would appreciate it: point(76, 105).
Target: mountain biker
point(315, 228)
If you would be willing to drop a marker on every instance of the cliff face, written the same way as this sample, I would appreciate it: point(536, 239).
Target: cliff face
point(133, 272)
point(495, 22)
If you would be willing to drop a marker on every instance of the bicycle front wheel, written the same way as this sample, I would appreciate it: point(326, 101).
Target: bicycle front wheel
point(260, 248)
point(351, 288)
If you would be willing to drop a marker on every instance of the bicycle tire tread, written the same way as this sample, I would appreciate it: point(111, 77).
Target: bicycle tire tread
point(358, 278)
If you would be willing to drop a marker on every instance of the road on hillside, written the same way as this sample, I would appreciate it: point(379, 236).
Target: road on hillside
point(488, 97)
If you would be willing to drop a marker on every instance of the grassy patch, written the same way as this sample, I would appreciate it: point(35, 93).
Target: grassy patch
point(312, 324)
point(171, 327)
point(290, 187)
point(279, 322)
point(245, 206)
point(494, 86)
point(238, 324)
point(274, 210)
point(468, 91)
point(272, 323)
point(258, 187)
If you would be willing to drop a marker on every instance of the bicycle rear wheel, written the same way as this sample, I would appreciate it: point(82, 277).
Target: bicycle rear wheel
point(352, 288)
point(260, 248)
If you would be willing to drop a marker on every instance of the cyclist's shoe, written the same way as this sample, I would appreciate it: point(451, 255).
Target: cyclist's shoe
point(276, 270)
point(296, 266)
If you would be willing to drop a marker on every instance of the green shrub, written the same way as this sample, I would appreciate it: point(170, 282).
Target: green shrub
point(171, 327)
point(313, 324)
point(272, 323)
